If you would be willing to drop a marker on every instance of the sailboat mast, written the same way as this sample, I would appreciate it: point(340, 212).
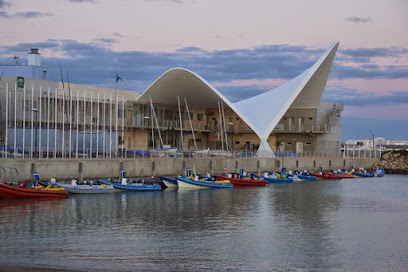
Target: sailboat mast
point(191, 124)
point(181, 123)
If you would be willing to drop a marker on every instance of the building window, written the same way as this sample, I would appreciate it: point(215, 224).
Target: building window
point(236, 142)
point(288, 143)
point(200, 117)
point(308, 143)
point(310, 118)
point(237, 118)
point(192, 116)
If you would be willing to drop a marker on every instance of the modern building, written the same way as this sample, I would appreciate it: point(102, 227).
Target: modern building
point(179, 110)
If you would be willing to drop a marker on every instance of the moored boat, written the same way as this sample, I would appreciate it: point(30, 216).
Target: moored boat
point(240, 181)
point(25, 191)
point(170, 182)
point(196, 183)
point(74, 188)
point(325, 176)
point(136, 187)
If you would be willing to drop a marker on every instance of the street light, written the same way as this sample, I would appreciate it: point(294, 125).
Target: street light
point(148, 130)
point(34, 110)
point(232, 137)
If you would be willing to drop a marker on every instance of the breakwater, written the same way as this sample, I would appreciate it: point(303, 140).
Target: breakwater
point(105, 168)
point(393, 162)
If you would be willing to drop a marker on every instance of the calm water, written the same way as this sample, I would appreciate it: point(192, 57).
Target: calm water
point(348, 225)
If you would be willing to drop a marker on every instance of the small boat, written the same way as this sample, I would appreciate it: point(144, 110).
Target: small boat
point(364, 174)
point(306, 177)
point(325, 176)
point(74, 188)
point(238, 180)
point(170, 182)
point(196, 183)
point(278, 178)
point(345, 176)
point(11, 188)
point(24, 191)
point(125, 186)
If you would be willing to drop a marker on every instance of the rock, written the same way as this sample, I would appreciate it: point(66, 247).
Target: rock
point(385, 156)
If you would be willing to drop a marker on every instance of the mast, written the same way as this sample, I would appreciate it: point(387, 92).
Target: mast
point(181, 124)
point(191, 124)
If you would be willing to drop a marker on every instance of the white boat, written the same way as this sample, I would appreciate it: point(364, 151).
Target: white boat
point(74, 188)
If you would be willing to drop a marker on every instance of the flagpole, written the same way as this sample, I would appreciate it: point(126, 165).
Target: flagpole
point(77, 126)
point(24, 113)
point(97, 131)
point(55, 124)
point(40, 125)
point(32, 121)
point(15, 120)
point(123, 124)
point(48, 123)
point(90, 145)
point(5, 154)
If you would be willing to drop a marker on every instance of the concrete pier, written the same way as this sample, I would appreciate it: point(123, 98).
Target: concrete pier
point(105, 168)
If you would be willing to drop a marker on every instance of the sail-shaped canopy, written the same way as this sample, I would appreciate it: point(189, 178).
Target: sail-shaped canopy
point(262, 112)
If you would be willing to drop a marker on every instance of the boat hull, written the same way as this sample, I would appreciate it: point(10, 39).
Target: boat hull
point(87, 189)
point(243, 182)
point(306, 178)
point(132, 187)
point(278, 180)
point(170, 182)
point(8, 191)
point(186, 183)
point(322, 176)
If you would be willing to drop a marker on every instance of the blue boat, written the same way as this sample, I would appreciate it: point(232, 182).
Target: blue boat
point(132, 186)
point(378, 173)
point(307, 177)
point(278, 180)
point(187, 183)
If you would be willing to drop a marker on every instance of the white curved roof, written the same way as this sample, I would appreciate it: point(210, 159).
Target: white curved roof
point(262, 112)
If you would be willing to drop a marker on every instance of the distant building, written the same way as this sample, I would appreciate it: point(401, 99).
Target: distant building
point(187, 114)
point(32, 69)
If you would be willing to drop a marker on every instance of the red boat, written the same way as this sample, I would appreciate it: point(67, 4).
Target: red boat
point(342, 175)
point(10, 191)
point(237, 181)
point(325, 176)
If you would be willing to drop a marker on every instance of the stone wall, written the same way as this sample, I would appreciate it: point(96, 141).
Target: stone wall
point(393, 162)
point(105, 168)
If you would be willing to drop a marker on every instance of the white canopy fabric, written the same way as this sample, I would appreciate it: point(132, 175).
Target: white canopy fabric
point(262, 112)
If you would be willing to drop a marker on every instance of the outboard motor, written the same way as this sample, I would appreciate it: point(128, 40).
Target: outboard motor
point(284, 169)
point(241, 171)
point(189, 172)
point(321, 168)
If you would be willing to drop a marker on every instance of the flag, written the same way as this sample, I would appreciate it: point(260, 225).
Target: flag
point(118, 77)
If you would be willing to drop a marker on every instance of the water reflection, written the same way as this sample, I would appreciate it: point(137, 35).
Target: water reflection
point(296, 226)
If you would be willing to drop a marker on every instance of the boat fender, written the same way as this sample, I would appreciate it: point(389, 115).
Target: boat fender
point(74, 182)
point(53, 180)
point(124, 181)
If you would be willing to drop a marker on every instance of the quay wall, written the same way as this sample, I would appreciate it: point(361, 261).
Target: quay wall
point(65, 169)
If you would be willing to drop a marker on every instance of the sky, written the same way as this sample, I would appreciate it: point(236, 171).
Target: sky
point(242, 48)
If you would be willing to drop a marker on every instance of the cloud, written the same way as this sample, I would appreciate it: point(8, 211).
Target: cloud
point(119, 35)
point(82, 1)
point(239, 73)
point(170, 1)
point(106, 40)
point(26, 15)
point(4, 4)
point(356, 19)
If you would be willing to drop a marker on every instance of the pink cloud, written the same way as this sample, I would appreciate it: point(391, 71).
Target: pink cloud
point(378, 86)
point(392, 112)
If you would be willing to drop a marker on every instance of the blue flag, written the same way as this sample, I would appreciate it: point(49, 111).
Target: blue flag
point(118, 77)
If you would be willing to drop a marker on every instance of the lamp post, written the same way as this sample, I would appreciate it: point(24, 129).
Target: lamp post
point(148, 130)
point(232, 137)
point(34, 110)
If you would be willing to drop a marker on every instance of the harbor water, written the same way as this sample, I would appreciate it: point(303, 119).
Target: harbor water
point(347, 225)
